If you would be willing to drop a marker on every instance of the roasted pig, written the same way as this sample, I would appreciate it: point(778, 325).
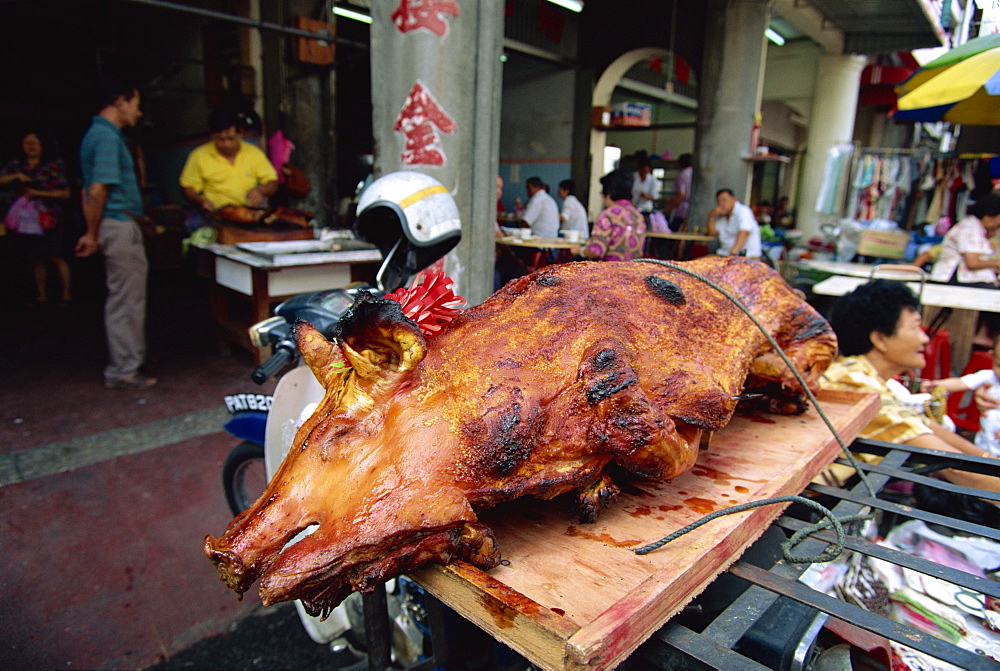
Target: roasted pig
point(238, 214)
point(533, 392)
point(289, 217)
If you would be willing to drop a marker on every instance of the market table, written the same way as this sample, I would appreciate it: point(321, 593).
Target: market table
point(540, 245)
point(538, 242)
point(571, 595)
point(859, 269)
point(546, 600)
point(677, 251)
point(934, 294)
point(267, 279)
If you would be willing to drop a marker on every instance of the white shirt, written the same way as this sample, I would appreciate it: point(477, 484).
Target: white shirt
point(542, 214)
point(576, 215)
point(741, 219)
point(989, 421)
point(650, 185)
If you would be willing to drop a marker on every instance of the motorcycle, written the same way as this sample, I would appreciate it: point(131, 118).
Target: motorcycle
point(410, 240)
point(244, 475)
point(414, 222)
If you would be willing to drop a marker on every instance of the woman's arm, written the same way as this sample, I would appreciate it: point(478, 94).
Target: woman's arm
point(946, 441)
point(949, 384)
point(61, 194)
point(979, 261)
point(14, 176)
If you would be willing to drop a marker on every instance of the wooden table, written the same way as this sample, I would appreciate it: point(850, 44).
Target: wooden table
point(957, 305)
point(675, 252)
point(572, 595)
point(265, 282)
point(539, 243)
point(863, 270)
point(934, 294)
point(697, 237)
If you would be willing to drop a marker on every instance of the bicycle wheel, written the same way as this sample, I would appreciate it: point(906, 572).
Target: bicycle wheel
point(243, 476)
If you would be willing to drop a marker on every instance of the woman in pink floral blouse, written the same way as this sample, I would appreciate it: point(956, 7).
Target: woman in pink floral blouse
point(620, 230)
point(968, 252)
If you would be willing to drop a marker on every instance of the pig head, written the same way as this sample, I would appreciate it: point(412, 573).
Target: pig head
point(533, 392)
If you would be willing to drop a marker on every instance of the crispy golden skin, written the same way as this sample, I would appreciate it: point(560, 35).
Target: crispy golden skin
point(533, 392)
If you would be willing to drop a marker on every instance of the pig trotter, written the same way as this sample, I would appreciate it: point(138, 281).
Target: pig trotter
point(229, 566)
point(592, 498)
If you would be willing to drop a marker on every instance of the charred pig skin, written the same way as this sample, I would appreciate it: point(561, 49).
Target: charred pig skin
point(533, 392)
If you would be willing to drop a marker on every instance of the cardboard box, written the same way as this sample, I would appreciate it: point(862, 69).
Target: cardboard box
point(884, 244)
point(631, 114)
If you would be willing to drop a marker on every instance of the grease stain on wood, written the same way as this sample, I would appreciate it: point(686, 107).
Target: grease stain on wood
point(607, 539)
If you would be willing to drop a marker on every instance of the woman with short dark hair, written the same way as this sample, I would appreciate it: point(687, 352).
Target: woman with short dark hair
point(878, 327)
point(620, 230)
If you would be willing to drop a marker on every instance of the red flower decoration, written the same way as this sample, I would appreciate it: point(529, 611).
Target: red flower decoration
point(429, 301)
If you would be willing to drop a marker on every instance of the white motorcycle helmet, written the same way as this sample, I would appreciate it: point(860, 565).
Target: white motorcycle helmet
point(412, 219)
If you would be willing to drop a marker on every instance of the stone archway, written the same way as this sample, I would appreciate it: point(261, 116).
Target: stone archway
point(601, 99)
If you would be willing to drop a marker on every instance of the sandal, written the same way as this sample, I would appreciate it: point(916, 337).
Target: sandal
point(137, 381)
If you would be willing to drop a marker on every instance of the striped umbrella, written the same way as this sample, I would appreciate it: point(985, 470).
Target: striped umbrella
point(959, 87)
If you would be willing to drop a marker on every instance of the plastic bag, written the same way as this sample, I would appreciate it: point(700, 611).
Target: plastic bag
point(28, 217)
point(658, 222)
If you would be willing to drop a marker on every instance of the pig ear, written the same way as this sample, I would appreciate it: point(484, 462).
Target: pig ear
point(323, 357)
point(378, 340)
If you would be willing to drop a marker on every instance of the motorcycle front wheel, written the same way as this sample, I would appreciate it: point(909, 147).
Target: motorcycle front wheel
point(243, 476)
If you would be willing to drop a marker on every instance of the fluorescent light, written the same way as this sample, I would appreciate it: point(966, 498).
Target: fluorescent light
point(350, 14)
point(774, 37)
point(571, 5)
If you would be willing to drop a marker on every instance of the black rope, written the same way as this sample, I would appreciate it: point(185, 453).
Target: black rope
point(801, 534)
point(786, 547)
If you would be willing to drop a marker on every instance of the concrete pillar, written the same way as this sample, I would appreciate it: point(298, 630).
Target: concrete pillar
point(835, 103)
point(729, 97)
point(436, 82)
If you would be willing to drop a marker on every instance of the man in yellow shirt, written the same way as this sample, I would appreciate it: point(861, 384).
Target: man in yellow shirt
point(226, 170)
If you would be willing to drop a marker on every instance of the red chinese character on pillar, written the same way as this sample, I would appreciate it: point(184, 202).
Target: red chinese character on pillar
point(420, 114)
point(413, 14)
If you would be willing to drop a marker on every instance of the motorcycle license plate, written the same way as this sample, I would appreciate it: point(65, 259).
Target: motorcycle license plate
point(242, 402)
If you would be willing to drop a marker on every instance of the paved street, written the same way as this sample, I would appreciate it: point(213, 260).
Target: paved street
point(106, 495)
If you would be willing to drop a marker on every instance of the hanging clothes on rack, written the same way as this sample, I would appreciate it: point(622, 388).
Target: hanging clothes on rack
point(884, 180)
point(836, 177)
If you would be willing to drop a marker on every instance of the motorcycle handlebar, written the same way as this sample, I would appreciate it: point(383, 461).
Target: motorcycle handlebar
point(284, 353)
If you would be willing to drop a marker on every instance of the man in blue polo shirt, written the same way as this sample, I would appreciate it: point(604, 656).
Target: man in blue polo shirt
point(111, 201)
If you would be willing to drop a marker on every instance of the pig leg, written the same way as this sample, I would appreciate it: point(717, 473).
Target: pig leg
point(628, 425)
point(592, 498)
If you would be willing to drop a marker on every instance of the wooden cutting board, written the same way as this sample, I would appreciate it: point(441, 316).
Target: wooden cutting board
point(231, 235)
point(574, 596)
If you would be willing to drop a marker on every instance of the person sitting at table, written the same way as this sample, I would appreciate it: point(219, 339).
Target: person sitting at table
point(541, 214)
point(500, 209)
point(735, 225)
point(679, 204)
point(574, 214)
point(878, 327)
point(969, 257)
point(620, 230)
point(781, 217)
point(226, 170)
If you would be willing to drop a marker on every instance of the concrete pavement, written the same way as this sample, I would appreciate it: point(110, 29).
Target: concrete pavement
point(107, 495)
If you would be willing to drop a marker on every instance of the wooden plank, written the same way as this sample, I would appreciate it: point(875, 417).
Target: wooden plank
point(574, 596)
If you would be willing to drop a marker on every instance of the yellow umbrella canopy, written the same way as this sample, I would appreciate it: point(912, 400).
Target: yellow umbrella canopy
point(962, 86)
